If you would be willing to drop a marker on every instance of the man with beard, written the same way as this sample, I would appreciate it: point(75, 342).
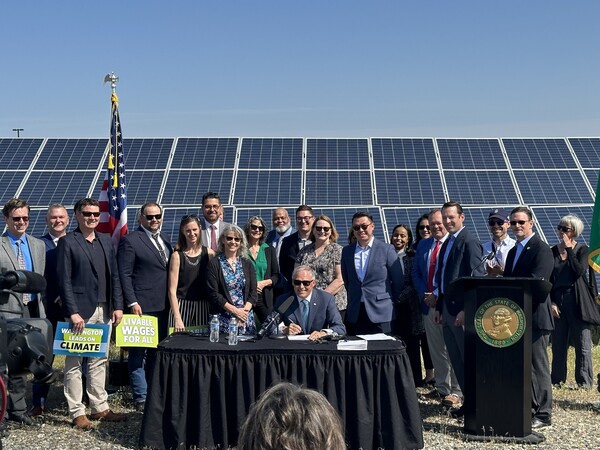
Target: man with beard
point(282, 228)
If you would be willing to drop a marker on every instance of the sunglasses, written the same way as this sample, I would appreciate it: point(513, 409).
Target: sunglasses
point(424, 227)
point(257, 228)
point(519, 222)
point(305, 283)
point(564, 229)
point(90, 214)
point(234, 239)
point(153, 216)
point(496, 223)
point(19, 219)
point(362, 226)
point(323, 229)
point(304, 219)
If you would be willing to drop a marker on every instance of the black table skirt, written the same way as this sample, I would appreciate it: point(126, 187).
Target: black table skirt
point(201, 392)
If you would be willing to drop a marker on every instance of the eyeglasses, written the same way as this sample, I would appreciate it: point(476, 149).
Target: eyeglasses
point(520, 222)
point(496, 223)
point(153, 216)
point(362, 226)
point(424, 227)
point(323, 229)
point(257, 228)
point(304, 219)
point(564, 229)
point(19, 219)
point(234, 239)
point(305, 283)
point(90, 213)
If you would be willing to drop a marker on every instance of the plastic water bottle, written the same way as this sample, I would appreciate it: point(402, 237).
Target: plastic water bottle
point(214, 328)
point(233, 332)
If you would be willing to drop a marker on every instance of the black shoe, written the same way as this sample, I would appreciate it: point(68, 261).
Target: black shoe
point(537, 424)
point(458, 412)
point(24, 419)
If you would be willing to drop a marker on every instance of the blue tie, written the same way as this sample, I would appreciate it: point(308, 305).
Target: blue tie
point(304, 311)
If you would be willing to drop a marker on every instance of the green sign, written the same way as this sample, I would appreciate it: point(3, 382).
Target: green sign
point(137, 331)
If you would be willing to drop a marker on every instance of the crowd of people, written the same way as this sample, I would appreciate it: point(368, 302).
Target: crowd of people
point(360, 287)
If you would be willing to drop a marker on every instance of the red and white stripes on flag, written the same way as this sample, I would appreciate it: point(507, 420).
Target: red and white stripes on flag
point(113, 196)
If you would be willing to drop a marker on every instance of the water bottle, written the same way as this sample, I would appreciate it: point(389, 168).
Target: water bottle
point(214, 328)
point(233, 332)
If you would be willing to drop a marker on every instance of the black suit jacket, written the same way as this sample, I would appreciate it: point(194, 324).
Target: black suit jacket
point(465, 255)
point(142, 271)
point(78, 279)
point(218, 293)
point(535, 261)
point(264, 307)
point(50, 273)
point(287, 257)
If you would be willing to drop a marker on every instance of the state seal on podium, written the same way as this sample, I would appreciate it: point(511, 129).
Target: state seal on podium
point(500, 322)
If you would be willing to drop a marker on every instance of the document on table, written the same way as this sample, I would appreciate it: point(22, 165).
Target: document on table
point(298, 337)
point(352, 345)
point(376, 337)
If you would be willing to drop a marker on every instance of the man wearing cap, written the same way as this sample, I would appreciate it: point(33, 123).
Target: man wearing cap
point(501, 243)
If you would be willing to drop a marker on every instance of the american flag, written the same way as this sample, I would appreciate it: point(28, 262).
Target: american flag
point(113, 196)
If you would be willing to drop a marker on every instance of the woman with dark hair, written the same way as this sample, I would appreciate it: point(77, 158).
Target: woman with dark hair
point(568, 282)
point(409, 316)
point(187, 277)
point(422, 230)
point(231, 281)
point(264, 259)
point(324, 257)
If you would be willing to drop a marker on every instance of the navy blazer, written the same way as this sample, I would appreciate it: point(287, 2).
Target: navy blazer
point(465, 255)
point(381, 286)
point(536, 261)
point(50, 273)
point(287, 258)
point(420, 270)
point(218, 293)
point(142, 271)
point(322, 313)
point(78, 279)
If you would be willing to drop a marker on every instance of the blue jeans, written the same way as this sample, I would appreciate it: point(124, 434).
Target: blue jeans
point(137, 364)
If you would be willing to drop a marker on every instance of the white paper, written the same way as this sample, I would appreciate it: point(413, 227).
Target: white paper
point(352, 345)
point(298, 337)
point(376, 337)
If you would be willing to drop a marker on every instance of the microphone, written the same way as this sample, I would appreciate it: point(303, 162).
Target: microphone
point(276, 317)
point(487, 257)
point(22, 281)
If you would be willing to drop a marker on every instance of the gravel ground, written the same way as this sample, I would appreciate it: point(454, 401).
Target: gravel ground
point(575, 426)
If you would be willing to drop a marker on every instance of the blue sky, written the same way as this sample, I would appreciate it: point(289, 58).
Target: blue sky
point(512, 68)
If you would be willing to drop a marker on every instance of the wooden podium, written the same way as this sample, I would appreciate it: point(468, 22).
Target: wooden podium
point(498, 317)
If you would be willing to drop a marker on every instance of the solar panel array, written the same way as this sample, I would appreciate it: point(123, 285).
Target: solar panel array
point(395, 179)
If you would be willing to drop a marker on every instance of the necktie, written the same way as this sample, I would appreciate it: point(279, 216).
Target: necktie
point(304, 311)
point(432, 262)
point(213, 238)
point(22, 266)
point(161, 250)
point(519, 249)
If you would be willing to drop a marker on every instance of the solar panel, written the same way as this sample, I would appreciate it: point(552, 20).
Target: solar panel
point(587, 151)
point(205, 153)
point(186, 187)
point(338, 188)
point(473, 187)
point(143, 185)
point(66, 187)
point(147, 153)
point(342, 219)
point(264, 187)
point(342, 154)
point(538, 154)
point(9, 183)
point(592, 176)
point(17, 154)
point(552, 187)
point(72, 154)
point(395, 153)
point(409, 187)
point(549, 218)
point(260, 153)
point(482, 154)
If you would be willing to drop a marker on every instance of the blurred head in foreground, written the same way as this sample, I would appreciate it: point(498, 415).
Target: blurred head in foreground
point(288, 417)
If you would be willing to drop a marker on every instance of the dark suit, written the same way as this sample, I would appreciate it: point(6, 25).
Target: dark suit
point(536, 261)
point(376, 293)
point(78, 279)
point(143, 276)
point(464, 256)
point(53, 310)
point(264, 305)
point(287, 259)
point(322, 314)
point(14, 309)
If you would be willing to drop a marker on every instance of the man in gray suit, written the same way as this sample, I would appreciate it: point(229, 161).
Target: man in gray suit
point(373, 278)
point(19, 251)
point(212, 225)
